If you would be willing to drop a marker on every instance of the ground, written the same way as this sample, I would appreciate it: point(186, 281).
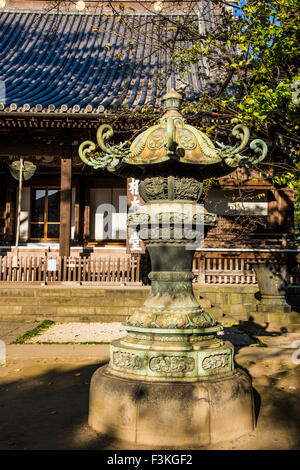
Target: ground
point(44, 393)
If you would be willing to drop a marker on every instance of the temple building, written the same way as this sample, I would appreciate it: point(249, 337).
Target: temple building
point(63, 73)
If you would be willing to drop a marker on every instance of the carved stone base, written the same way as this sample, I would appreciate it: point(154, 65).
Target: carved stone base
point(169, 355)
point(165, 414)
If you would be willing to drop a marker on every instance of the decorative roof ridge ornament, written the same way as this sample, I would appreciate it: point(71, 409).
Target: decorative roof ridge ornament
point(171, 139)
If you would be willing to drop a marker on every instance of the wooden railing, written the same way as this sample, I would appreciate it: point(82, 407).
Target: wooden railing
point(223, 271)
point(230, 270)
point(120, 270)
point(41, 269)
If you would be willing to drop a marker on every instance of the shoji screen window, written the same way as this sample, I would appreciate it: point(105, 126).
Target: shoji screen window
point(45, 213)
point(108, 213)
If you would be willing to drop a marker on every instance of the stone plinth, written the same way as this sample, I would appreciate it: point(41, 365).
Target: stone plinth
point(272, 281)
point(165, 414)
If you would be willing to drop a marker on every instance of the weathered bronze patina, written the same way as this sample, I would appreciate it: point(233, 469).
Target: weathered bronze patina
point(171, 338)
point(172, 140)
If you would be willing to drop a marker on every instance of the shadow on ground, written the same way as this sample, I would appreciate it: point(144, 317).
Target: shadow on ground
point(247, 333)
point(49, 410)
point(257, 329)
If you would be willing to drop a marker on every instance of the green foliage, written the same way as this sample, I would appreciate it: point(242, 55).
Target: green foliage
point(208, 184)
point(30, 334)
point(256, 53)
point(259, 51)
point(297, 204)
point(297, 224)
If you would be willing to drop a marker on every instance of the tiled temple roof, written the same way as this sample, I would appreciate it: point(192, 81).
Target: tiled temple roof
point(58, 63)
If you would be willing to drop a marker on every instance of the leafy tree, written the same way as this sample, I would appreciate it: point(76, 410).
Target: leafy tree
point(257, 51)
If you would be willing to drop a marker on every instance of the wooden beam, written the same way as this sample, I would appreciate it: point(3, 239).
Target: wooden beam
point(50, 150)
point(65, 206)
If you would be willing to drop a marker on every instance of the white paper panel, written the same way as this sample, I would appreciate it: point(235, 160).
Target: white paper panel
point(104, 213)
point(25, 210)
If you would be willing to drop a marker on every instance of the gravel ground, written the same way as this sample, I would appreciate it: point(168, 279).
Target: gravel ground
point(80, 333)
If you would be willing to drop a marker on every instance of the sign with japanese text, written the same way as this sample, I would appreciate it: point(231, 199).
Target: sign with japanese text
point(134, 202)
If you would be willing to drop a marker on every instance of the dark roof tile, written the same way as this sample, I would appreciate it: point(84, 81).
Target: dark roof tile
point(57, 62)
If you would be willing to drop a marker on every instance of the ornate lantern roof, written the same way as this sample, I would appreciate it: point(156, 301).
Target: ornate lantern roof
point(171, 139)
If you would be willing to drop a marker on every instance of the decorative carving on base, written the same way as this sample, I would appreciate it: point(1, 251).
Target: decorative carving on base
point(144, 217)
point(126, 360)
point(216, 361)
point(169, 338)
point(169, 319)
point(167, 364)
point(189, 362)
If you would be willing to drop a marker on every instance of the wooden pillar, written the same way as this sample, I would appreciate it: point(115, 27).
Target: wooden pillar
point(2, 208)
point(286, 210)
point(80, 209)
point(86, 211)
point(65, 206)
point(10, 207)
point(281, 210)
point(273, 209)
point(77, 213)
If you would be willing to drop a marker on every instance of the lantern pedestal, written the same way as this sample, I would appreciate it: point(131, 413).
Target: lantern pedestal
point(171, 414)
point(171, 381)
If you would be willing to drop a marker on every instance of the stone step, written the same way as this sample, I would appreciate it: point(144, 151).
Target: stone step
point(84, 303)
point(215, 312)
point(282, 319)
point(114, 301)
point(35, 317)
point(204, 303)
point(71, 291)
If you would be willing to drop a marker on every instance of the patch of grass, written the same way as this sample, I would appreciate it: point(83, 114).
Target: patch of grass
point(31, 333)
